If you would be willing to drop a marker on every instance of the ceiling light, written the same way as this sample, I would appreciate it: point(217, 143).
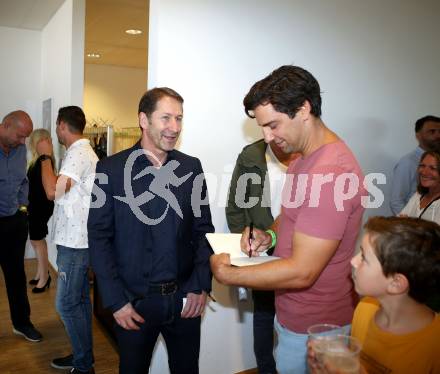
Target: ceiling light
point(133, 31)
point(93, 55)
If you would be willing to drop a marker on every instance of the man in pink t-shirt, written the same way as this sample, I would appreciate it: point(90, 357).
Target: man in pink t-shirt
point(319, 222)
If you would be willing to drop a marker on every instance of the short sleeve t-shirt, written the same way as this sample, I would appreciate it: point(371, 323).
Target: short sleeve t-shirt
point(72, 209)
point(322, 199)
point(384, 352)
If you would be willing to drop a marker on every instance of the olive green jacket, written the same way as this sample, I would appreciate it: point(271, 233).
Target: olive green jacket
point(251, 160)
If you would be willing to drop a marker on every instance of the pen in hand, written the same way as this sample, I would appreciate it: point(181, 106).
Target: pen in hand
point(251, 236)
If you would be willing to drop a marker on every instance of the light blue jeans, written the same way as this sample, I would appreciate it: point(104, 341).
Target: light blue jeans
point(291, 350)
point(73, 303)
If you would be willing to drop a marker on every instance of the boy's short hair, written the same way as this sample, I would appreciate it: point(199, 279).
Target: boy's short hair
point(409, 246)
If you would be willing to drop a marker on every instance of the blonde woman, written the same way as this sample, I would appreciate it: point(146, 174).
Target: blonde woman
point(40, 210)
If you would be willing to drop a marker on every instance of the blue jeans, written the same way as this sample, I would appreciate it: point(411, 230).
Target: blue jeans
point(291, 350)
point(73, 303)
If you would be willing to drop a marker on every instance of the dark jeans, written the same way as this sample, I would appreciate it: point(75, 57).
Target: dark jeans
point(264, 313)
point(162, 316)
point(13, 234)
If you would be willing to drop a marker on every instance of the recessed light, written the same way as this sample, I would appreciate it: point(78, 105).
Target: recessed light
point(93, 55)
point(133, 31)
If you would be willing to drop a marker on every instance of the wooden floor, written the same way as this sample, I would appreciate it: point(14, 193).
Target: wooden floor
point(17, 355)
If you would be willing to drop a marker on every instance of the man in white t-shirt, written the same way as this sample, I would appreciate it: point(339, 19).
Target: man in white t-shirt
point(71, 191)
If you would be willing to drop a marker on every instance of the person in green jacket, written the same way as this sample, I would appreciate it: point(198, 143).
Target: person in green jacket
point(255, 196)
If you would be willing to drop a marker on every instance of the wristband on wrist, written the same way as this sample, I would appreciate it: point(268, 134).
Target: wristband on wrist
point(23, 208)
point(44, 157)
point(273, 236)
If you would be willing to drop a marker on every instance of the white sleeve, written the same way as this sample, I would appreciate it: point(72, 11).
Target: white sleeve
point(410, 208)
point(74, 164)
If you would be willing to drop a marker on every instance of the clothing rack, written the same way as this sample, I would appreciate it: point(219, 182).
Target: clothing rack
point(101, 139)
point(107, 140)
point(126, 137)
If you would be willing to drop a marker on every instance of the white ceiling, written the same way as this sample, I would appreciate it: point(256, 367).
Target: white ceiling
point(106, 22)
point(27, 14)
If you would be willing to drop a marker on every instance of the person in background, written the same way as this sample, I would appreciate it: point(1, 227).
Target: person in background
point(425, 203)
point(397, 270)
point(40, 209)
point(404, 181)
point(316, 233)
point(14, 129)
point(71, 190)
point(269, 163)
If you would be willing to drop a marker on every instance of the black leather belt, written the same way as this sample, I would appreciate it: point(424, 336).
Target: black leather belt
point(164, 289)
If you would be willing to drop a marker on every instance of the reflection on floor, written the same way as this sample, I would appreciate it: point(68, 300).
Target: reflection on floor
point(20, 356)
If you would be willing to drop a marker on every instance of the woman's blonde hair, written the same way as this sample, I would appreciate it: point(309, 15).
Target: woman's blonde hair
point(35, 137)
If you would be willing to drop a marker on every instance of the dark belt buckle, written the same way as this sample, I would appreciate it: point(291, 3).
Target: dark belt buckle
point(168, 288)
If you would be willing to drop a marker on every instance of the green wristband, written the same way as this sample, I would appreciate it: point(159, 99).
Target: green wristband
point(273, 236)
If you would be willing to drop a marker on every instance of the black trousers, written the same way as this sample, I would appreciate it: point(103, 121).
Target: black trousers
point(13, 234)
point(264, 314)
point(162, 316)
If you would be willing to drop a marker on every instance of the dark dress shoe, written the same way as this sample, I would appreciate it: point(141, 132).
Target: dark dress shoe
point(29, 333)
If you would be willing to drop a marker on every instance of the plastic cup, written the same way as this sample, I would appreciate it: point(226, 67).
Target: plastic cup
point(341, 352)
point(323, 329)
point(318, 335)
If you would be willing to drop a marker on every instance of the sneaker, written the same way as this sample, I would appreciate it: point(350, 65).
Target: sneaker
point(64, 363)
point(29, 332)
point(77, 371)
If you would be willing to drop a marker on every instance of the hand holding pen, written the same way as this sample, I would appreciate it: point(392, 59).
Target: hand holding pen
point(253, 241)
point(251, 237)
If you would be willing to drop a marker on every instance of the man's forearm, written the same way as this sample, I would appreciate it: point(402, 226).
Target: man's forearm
point(277, 274)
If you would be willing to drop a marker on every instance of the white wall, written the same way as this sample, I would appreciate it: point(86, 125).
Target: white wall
point(20, 56)
point(62, 74)
point(20, 88)
point(112, 93)
point(377, 63)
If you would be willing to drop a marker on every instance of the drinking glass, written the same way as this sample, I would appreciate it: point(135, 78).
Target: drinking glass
point(318, 335)
point(341, 353)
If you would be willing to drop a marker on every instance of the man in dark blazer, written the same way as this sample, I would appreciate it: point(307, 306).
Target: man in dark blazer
point(147, 240)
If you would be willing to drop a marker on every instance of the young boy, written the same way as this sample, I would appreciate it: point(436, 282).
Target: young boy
point(398, 268)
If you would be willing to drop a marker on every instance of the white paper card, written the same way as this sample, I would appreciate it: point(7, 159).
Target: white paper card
point(230, 243)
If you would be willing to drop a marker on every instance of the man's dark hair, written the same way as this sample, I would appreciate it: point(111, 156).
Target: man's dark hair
point(286, 88)
point(421, 121)
point(420, 189)
point(74, 117)
point(150, 99)
point(409, 246)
